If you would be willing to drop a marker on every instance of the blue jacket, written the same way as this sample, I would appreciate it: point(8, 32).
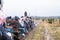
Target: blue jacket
point(19, 25)
point(4, 36)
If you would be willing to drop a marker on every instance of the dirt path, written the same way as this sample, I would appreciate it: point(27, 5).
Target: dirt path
point(41, 33)
point(32, 32)
point(45, 33)
point(36, 33)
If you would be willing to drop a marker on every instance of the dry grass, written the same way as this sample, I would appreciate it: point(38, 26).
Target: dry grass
point(37, 34)
point(54, 30)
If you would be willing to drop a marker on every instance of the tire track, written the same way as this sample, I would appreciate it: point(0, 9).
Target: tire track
point(45, 33)
point(32, 32)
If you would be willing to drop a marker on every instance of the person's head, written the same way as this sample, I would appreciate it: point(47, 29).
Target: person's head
point(16, 18)
point(30, 17)
point(25, 14)
point(9, 17)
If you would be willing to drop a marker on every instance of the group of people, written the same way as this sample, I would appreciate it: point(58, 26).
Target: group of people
point(18, 26)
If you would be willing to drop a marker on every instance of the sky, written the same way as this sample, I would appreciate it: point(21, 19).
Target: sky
point(33, 7)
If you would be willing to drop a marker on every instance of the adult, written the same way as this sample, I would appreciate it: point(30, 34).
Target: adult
point(3, 35)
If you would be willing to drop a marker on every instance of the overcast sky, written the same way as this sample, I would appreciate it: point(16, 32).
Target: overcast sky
point(34, 7)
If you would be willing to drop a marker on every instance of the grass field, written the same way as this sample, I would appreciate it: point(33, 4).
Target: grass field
point(36, 34)
point(54, 31)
